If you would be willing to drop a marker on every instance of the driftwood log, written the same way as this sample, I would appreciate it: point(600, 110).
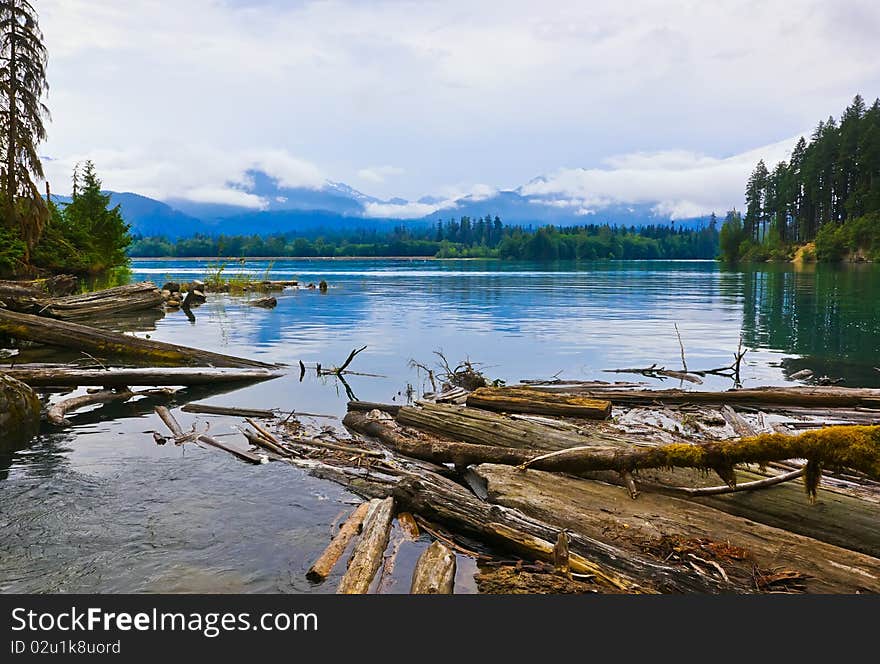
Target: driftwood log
point(108, 302)
point(367, 556)
point(435, 571)
point(810, 397)
point(525, 400)
point(103, 343)
point(327, 561)
point(600, 510)
point(482, 427)
point(43, 376)
point(840, 519)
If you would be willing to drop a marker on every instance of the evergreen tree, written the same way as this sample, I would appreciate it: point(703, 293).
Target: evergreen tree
point(22, 86)
point(90, 214)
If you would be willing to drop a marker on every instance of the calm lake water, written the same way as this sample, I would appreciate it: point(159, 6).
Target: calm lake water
point(100, 507)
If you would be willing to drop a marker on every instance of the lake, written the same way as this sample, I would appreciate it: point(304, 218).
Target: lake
point(99, 507)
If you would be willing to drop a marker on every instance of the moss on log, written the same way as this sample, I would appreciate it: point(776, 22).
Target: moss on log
point(19, 413)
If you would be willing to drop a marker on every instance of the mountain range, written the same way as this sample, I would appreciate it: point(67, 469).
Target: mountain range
point(337, 207)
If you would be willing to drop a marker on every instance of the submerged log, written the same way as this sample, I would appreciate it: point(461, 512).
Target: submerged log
point(525, 400)
point(107, 302)
point(207, 409)
point(367, 556)
point(19, 412)
point(327, 561)
point(103, 343)
point(56, 414)
point(50, 376)
point(808, 396)
point(736, 544)
point(435, 571)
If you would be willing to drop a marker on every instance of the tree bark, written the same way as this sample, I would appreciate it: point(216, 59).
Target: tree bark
point(103, 343)
point(19, 412)
point(598, 509)
point(525, 400)
point(482, 427)
point(435, 571)
point(367, 557)
point(831, 397)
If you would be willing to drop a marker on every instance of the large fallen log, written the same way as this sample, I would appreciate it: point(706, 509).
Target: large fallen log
point(807, 396)
point(50, 376)
point(526, 400)
point(482, 427)
point(451, 504)
point(103, 343)
point(435, 571)
point(838, 519)
point(108, 302)
point(736, 544)
point(367, 556)
point(853, 447)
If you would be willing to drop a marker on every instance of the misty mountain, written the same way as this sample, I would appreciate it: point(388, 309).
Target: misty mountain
point(337, 207)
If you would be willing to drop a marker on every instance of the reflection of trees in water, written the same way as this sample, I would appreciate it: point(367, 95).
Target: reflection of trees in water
point(828, 314)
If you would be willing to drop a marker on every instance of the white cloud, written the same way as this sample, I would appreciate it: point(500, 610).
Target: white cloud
point(405, 210)
point(378, 174)
point(201, 174)
point(680, 183)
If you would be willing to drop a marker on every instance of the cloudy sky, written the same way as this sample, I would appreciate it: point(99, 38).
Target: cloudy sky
point(630, 101)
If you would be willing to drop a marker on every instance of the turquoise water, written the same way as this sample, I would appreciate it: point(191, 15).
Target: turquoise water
point(101, 508)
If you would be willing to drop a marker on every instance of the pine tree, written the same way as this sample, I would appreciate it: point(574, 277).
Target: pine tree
point(90, 214)
point(755, 189)
point(22, 86)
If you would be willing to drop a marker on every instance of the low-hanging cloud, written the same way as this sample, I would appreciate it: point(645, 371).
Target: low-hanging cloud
point(196, 173)
point(677, 182)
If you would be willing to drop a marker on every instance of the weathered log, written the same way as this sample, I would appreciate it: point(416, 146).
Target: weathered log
point(451, 504)
point(46, 376)
point(854, 447)
point(808, 396)
point(259, 441)
point(104, 343)
point(19, 412)
point(327, 561)
point(838, 519)
point(525, 400)
point(481, 427)
point(435, 571)
point(367, 556)
point(598, 509)
point(107, 302)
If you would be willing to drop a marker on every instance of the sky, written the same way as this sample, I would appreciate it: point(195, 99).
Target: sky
point(631, 101)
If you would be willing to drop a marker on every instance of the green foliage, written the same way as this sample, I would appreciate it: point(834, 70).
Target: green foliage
point(464, 238)
point(856, 237)
point(84, 237)
point(12, 252)
point(731, 237)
